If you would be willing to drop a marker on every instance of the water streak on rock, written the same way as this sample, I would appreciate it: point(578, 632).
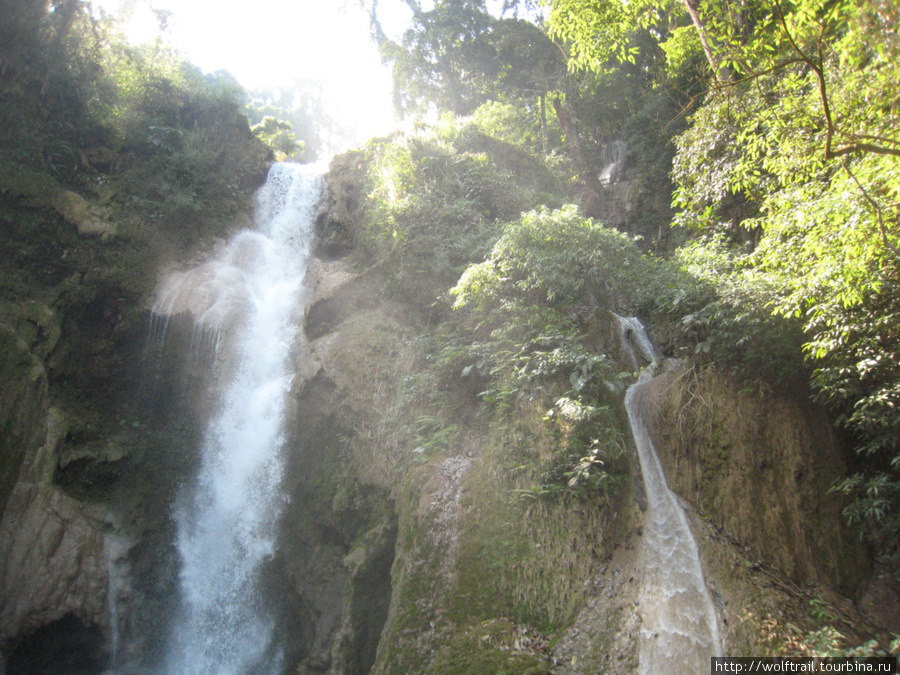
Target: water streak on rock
point(679, 630)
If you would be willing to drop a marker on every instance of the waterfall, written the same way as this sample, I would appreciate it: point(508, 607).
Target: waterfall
point(679, 631)
point(613, 160)
point(249, 297)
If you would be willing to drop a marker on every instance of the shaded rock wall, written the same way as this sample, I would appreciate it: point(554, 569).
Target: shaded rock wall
point(52, 562)
point(92, 498)
point(330, 579)
point(52, 558)
point(761, 469)
point(476, 568)
point(99, 422)
point(23, 406)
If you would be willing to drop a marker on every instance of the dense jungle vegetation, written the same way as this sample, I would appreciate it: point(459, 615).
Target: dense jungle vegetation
point(148, 139)
point(773, 127)
point(763, 160)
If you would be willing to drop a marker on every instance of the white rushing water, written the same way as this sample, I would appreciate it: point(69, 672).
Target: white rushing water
point(679, 630)
point(250, 296)
point(113, 550)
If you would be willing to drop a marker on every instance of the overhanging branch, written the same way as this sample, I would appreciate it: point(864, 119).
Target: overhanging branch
point(875, 207)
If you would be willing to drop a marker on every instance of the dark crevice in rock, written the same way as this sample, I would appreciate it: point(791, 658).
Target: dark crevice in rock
point(370, 598)
point(67, 646)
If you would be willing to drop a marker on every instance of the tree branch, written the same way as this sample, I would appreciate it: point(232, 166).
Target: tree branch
point(754, 75)
point(728, 85)
point(879, 139)
point(862, 147)
point(591, 182)
point(415, 7)
point(830, 130)
point(884, 238)
point(819, 69)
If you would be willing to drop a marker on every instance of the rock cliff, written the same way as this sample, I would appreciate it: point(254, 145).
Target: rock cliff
point(426, 528)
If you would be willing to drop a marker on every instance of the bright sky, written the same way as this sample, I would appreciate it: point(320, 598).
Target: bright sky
point(274, 42)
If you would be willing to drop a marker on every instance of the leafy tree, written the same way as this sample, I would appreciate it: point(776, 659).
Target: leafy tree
point(278, 135)
point(794, 150)
point(556, 259)
point(550, 273)
point(595, 32)
point(531, 66)
point(519, 126)
point(805, 135)
point(444, 58)
point(458, 56)
point(440, 195)
point(305, 106)
point(136, 127)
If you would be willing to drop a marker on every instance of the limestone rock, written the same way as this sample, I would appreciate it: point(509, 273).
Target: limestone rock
point(23, 403)
point(88, 218)
point(52, 561)
point(762, 469)
point(336, 227)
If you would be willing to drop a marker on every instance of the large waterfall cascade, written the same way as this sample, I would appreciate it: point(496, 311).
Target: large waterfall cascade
point(250, 297)
point(679, 631)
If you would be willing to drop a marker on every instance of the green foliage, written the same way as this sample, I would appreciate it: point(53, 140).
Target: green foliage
point(528, 301)
point(558, 258)
point(515, 124)
point(135, 128)
point(834, 67)
point(437, 206)
point(526, 297)
point(831, 643)
point(813, 92)
point(445, 57)
point(718, 304)
point(537, 92)
point(799, 148)
point(595, 31)
point(305, 108)
point(458, 56)
point(278, 135)
point(683, 53)
point(434, 435)
point(529, 62)
point(591, 470)
point(820, 611)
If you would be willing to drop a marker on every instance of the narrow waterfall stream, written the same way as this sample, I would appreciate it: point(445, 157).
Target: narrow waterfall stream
point(250, 297)
point(679, 631)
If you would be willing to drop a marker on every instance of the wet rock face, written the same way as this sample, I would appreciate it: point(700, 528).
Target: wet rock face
point(51, 553)
point(760, 469)
point(52, 562)
point(97, 423)
point(330, 580)
point(338, 221)
point(106, 462)
point(23, 405)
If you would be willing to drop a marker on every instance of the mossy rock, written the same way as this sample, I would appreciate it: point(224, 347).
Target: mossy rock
point(494, 647)
point(23, 407)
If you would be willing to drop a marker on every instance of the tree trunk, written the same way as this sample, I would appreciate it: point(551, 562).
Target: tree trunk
point(722, 74)
point(545, 140)
point(591, 181)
